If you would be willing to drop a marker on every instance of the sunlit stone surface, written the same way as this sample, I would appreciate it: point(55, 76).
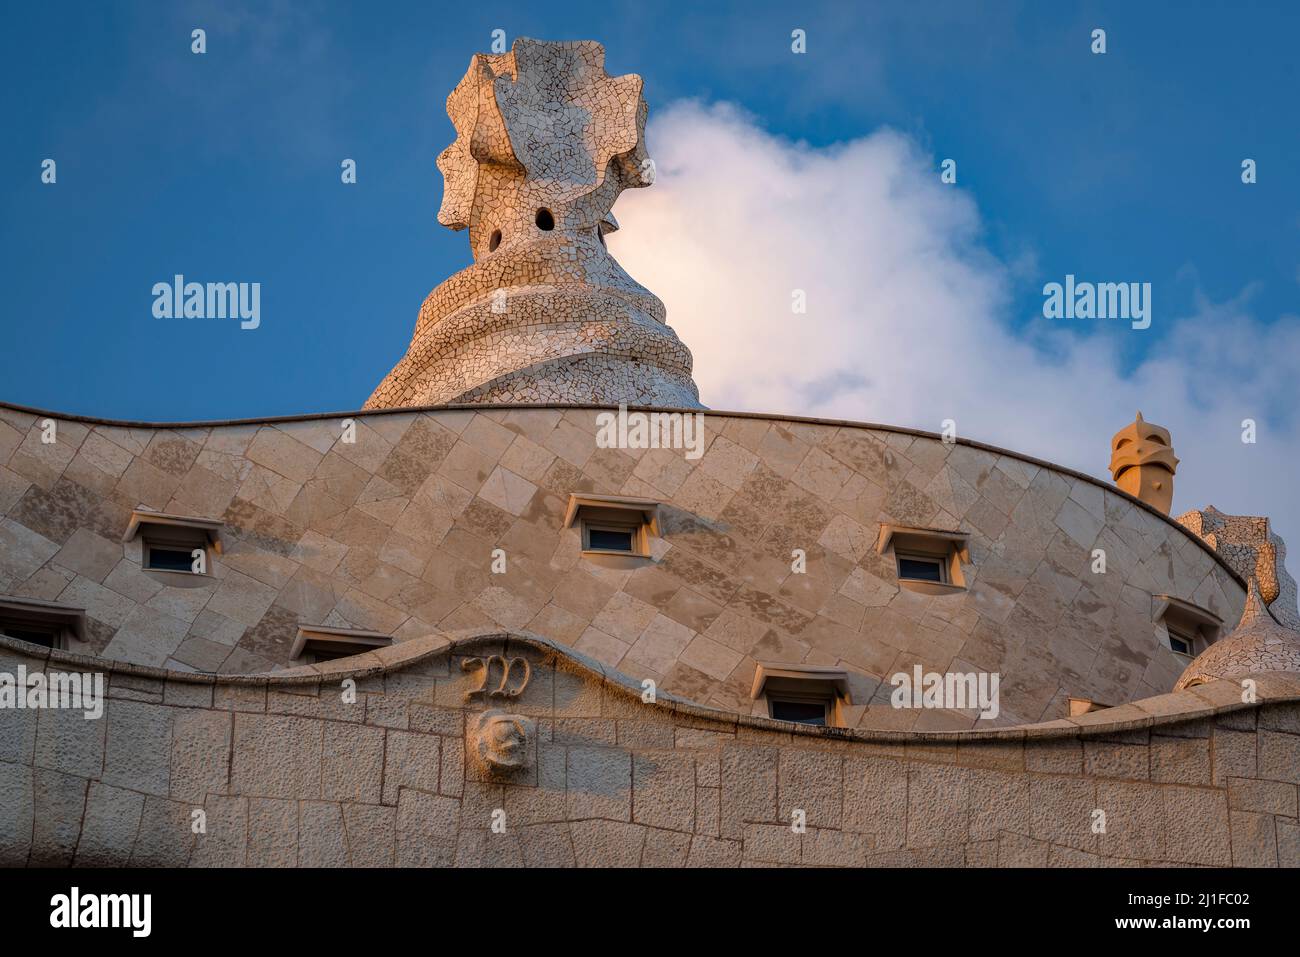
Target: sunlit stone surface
point(545, 143)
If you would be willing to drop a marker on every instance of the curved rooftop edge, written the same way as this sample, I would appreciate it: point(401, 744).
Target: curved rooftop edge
point(1200, 702)
point(769, 416)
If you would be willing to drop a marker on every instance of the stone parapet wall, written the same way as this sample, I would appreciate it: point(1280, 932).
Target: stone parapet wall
point(395, 533)
point(287, 771)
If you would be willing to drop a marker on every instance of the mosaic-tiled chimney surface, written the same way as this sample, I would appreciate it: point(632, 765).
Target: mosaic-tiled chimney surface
point(545, 142)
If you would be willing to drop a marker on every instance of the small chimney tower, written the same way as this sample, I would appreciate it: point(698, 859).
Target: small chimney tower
point(1142, 462)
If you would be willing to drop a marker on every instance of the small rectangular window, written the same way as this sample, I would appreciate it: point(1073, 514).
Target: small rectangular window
point(321, 652)
point(1188, 629)
point(610, 539)
point(43, 623)
point(169, 542)
point(800, 712)
point(1181, 643)
point(922, 568)
point(167, 558)
point(613, 524)
point(623, 539)
point(320, 643)
point(929, 560)
point(48, 637)
point(802, 694)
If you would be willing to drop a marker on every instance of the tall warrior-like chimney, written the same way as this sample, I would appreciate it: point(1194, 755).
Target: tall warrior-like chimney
point(545, 142)
point(1142, 463)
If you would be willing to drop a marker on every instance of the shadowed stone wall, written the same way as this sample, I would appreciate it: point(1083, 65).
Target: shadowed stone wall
point(395, 533)
point(288, 773)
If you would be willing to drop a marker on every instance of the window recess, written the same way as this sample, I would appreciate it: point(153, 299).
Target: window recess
point(927, 560)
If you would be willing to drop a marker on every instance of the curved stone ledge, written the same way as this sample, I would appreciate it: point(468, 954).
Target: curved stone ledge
point(1202, 701)
point(415, 767)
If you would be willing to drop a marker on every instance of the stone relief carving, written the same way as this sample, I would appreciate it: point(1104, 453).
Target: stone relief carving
point(501, 741)
point(509, 685)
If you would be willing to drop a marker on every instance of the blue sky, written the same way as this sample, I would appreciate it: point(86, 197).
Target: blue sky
point(226, 166)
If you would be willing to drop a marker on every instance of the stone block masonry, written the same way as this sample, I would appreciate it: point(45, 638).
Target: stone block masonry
point(290, 770)
point(395, 531)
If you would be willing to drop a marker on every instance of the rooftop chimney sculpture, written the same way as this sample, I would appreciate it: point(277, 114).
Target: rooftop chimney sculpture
point(545, 143)
point(1250, 547)
point(1258, 645)
point(1142, 462)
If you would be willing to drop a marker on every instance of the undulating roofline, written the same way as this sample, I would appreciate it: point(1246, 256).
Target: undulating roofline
point(770, 416)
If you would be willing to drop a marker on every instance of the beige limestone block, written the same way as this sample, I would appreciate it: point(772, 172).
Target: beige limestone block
point(527, 458)
point(22, 551)
point(604, 648)
point(137, 752)
point(810, 781)
point(1196, 826)
point(599, 783)
point(467, 466)
point(370, 834)
point(12, 488)
point(427, 827)
point(317, 434)
point(272, 833)
point(1061, 811)
point(165, 838)
point(1279, 756)
point(1134, 821)
point(508, 491)
point(242, 598)
point(277, 756)
point(412, 761)
point(54, 456)
point(749, 786)
point(322, 840)
point(104, 454)
point(112, 817)
point(661, 644)
point(172, 452)
point(66, 741)
point(488, 437)
point(60, 801)
point(710, 657)
point(1080, 524)
point(848, 538)
point(663, 790)
point(394, 427)
point(624, 617)
point(200, 754)
point(147, 636)
point(821, 475)
point(10, 439)
point(352, 763)
point(89, 554)
point(284, 455)
point(607, 843)
point(369, 450)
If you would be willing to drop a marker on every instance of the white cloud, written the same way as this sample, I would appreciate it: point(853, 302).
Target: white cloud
point(908, 319)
